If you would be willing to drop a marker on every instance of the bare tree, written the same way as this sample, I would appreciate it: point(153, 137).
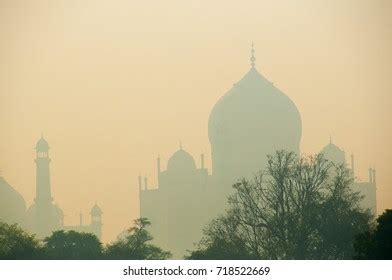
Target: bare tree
point(287, 211)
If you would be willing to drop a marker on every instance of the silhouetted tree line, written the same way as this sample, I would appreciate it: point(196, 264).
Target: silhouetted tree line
point(376, 244)
point(66, 245)
point(298, 208)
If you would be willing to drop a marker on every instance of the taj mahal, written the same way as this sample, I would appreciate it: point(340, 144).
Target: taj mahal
point(252, 120)
point(44, 216)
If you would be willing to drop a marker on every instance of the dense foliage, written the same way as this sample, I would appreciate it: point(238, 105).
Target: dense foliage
point(72, 245)
point(376, 243)
point(15, 243)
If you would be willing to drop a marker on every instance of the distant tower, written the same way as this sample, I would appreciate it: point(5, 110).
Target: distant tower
point(45, 214)
point(42, 161)
point(96, 220)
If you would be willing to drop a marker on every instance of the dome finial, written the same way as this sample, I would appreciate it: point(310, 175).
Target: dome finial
point(330, 139)
point(180, 145)
point(252, 58)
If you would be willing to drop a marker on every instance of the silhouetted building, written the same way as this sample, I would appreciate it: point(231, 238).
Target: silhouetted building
point(12, 204)
point(94, 227)
point(367, 189)
point(43, 216)
point(252, 120)
point(175, 208)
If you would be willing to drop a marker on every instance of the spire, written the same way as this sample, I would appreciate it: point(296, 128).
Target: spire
point(252, 58)
point(180, 145)
point(330, 139)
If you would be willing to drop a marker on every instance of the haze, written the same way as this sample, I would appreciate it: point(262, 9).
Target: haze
point(112, 84)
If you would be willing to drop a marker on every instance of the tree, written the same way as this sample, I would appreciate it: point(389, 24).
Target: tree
point(298, 208)
point(72, 245)
point(16, 244)
point(341, 217)
point(221, 242)
point(136, 245)
point(376, 243)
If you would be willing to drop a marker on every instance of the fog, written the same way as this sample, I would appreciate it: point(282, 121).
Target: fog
point(112, 84)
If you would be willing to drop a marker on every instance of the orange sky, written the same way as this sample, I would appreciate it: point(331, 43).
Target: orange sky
point(112, 84)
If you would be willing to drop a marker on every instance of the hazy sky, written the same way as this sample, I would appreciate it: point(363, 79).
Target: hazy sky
point(112, 84)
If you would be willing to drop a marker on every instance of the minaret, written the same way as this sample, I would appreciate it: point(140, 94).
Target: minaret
point(374, 176)
point(42, 161)
point(96, 220)
point(44, 219)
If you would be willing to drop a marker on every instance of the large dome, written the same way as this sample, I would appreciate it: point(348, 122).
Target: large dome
point(251, 121)
point(12, 204)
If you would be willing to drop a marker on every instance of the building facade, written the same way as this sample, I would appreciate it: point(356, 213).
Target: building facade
point(252, 120)
point(367, 189)
point(44, 216)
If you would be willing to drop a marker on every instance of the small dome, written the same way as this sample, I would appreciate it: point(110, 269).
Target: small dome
point(181, 161)
point(96, 210)
point(333, 153)
point(42, 145)
point(12, 204)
